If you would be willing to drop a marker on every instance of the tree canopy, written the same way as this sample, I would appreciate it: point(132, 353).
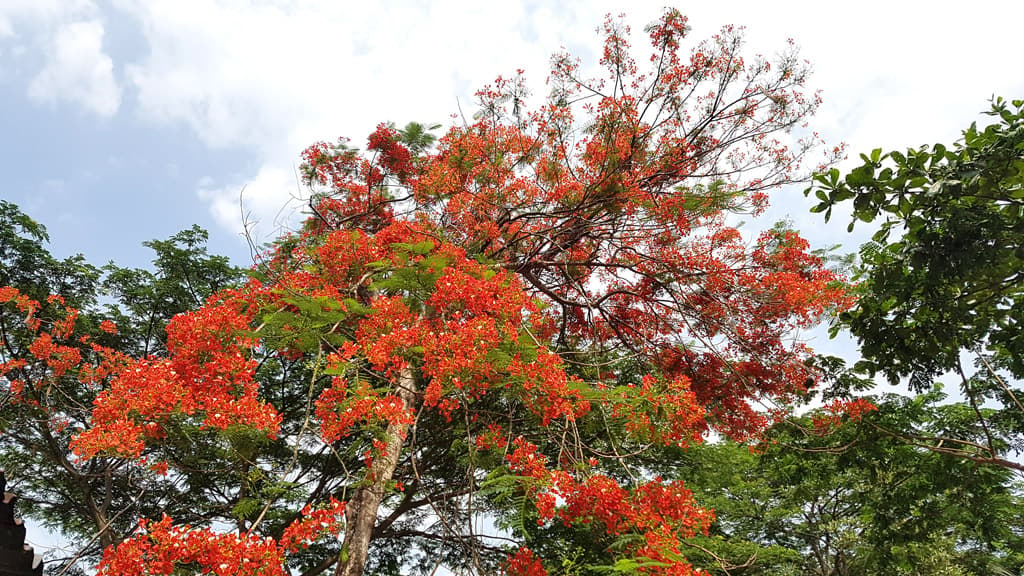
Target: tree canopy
point(501, 348)
point(496, 328)
point(941, 284)
point(826, 496)
point(57, 321)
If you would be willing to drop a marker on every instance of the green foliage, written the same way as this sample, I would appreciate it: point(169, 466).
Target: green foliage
point(858, 502)
point(417, 137)
point(945, 271)
point(27, 264)
point(942, 280)
point(184, 276)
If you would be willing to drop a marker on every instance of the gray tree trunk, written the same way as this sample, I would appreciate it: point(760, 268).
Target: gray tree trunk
point(361, 510)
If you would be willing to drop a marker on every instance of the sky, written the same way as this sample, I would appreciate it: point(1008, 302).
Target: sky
point(124, 121)
point(129, 120)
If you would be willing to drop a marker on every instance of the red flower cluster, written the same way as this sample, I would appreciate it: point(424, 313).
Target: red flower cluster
point(314, 524)
point(663, 513)
point(524, 563)
point(23, 303)
point(833, 413)
point(666, 412)
point(108, 327)
point(160, 548)
point(209, 372)
point(550, 392)
point(54, 355)
point(341, 407)
point(394, 157)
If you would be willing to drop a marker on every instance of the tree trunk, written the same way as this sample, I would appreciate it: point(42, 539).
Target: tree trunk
point(361, 510)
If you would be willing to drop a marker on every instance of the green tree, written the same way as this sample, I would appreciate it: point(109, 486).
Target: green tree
point(851, 499)
point(27, 264)
point(184, 275)
point(942, 280)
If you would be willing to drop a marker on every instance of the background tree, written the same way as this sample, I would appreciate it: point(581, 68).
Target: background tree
point(943, 278)
point(184, 276)
point(827, 495)
point(46, 397)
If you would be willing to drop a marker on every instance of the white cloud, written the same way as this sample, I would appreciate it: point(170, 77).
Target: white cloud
point(263, 205)
point(66, 36)
point(274, 78)
point(78, 70)
point(17, 16)
point(271, 77)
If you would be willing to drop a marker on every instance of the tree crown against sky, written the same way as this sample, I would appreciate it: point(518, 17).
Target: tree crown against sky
point(503, 325)
point(82, 501)
point(941, 287)
point(203, 114)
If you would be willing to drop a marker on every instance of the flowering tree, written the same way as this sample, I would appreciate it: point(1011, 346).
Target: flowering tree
point(478, 340)
point(56, 354)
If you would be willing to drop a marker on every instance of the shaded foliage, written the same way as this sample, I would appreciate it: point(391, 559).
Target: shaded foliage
point(857, 500)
